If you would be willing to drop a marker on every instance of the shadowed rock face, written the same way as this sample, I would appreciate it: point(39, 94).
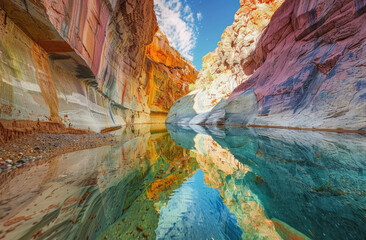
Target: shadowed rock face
point(306, 70)
point(93, 64)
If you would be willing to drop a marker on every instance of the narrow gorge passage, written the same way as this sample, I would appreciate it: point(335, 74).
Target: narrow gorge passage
point(112, 127)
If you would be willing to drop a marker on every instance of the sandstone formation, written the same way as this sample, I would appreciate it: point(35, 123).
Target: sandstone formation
point(222, 70)
point(307, 71)
point(86, 64)
point(169, 76)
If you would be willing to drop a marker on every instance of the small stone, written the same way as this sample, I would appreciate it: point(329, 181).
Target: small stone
point(8, 161)
point(140, 228)
point(21, 162)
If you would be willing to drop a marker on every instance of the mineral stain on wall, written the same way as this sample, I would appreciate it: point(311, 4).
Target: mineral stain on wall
point(87, 64)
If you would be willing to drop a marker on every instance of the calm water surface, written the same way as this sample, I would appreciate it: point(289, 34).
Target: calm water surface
point(194, 183)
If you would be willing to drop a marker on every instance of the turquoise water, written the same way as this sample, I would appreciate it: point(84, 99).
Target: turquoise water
point(194, 183)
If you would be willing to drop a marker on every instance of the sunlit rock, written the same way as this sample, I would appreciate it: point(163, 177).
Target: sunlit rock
point(87, 64)
point(308, 68)
point(223, 69)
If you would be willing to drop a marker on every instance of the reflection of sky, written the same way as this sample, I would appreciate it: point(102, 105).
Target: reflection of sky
point(196, 211)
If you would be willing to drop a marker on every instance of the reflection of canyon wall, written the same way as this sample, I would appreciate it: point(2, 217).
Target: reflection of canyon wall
point(296, 182)
point(307, 70)
point(86, 63)
point(222, 170)
point(114, 191)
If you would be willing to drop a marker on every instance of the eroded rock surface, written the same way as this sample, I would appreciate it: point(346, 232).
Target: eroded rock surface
point(85, 63)
point(310, 69)
point(307, 70)
point(223, 70)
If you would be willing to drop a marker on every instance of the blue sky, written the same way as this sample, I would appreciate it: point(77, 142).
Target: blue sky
point(194, 27)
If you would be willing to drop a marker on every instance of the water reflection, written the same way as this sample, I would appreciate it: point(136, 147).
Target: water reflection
point(313, 182)
point(194, 183)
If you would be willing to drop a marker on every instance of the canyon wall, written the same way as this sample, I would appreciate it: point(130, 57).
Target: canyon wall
point(222, 70)
point(307, 71)
point(87, 64)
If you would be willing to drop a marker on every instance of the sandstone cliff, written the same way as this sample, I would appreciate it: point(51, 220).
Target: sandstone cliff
point(85, 63)
point(308, 70)
point(169, 76)
point(223, 69)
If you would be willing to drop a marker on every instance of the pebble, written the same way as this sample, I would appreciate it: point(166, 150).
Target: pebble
point(8, 161)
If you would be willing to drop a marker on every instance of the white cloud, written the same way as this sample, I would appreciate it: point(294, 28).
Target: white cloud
point(199, 16)
point(176, 19)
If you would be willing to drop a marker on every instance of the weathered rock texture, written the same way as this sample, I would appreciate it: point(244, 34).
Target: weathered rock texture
point(223, 70)
point(169, 76)
point(308, 69)
point(85, 63)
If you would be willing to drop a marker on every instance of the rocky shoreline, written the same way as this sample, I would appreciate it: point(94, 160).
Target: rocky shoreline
point(16, 153)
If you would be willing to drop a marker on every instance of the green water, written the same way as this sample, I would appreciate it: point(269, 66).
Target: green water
point(194, 183)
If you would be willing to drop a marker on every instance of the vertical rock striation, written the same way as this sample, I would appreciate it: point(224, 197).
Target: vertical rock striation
point(223, 69)
point(86, 63)
point(169, 76)
point(307, 70)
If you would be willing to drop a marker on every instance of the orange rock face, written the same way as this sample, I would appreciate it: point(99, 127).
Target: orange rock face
point(98, 62)
point(169, 74)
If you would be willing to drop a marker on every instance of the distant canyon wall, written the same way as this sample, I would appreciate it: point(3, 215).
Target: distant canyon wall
point(307, 70)
point(90, 64)
point(222, 70)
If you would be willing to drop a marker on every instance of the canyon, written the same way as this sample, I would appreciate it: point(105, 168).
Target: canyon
point(305, 70)
point(82, 66)
point(108, 132)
